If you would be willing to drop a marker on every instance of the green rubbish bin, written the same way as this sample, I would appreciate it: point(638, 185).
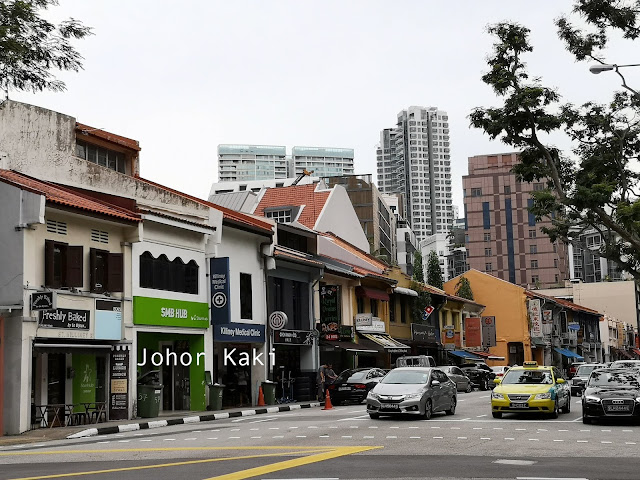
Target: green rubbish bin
point(215, 396)
point(149, 400)
point(269, 392)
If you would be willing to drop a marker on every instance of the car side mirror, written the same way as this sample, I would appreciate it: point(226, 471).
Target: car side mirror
point(561, 380)
point(497, 380)
point(435, 383)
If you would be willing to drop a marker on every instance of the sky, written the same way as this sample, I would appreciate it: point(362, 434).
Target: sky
point(184, 77)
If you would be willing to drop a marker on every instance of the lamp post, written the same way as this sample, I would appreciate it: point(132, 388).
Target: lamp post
point(605, 67)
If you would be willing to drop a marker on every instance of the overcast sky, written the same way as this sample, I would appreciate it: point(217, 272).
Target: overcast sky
point(183, 77)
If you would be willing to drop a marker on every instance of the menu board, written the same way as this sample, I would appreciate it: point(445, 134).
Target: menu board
point(119, 385)
point(330, 312)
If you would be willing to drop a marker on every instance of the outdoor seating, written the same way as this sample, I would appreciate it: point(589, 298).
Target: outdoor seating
point(60, 415)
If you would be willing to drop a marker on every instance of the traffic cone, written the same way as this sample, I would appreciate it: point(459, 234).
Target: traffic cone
point(327, 402)
point(261, 402)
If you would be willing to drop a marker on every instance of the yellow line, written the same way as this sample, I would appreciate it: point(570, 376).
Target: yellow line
point(297, 462)
point(163, 449)
point(164, 465)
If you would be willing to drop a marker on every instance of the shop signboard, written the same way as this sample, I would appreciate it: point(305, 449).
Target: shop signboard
point(346, 333)
point(424, 333)
point(85, 378)
point(535, 315)
point(170, 313)
point(65, 318)
point(293, 337)
point(43, 301)
point(330, 311)
point(472, 332)
point(575, 326)
point(108, 320)
point(220, 296)
point(376, 326)
point(449, 334)
point(363, 319)
point(119, 385)
point(488, 331)
point(239, 333)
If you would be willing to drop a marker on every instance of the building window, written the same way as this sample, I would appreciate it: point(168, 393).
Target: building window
point(487, 252)
point(532, 234)
point(538, 187)
point(535, 279)
point(281, 216)
point(54, 226)
point(507, 189)
point(487, 237)
point(476, 192)
point(105, 271)
point(62, 265)
point(486, 216)
point(403, 311)
point(246, 299)
point(162, 274)
point(533, 249)
point(534, 263)
point(488, 267)
point(374, 306)
point(102, 156)
point(555, 263)
point(532, 217)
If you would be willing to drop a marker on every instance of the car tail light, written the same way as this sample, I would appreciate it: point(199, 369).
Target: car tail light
point(360, 386)
point(332, 387)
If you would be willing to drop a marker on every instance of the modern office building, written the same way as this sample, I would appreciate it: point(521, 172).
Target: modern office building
point(503, 238)
point(323, 162)
point(414, 159)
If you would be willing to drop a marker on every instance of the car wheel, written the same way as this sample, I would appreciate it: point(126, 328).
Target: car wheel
point(567, 407)
point(469, 387)
point(428, 410)
point(496, 414)
point(555, 412)
point(374, 416)
point(586, 420)
point(452, 407)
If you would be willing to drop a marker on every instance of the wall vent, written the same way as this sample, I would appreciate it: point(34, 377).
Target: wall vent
point(56, 227)
point(99, 236)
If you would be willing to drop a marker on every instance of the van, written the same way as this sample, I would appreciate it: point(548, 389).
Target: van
point(416, 361)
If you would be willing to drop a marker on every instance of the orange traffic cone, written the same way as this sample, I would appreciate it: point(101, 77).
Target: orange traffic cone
point(327, 402)
point(261, 402)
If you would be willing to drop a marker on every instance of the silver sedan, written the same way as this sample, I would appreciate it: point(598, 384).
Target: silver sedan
point(463, 383)
point(414, 390)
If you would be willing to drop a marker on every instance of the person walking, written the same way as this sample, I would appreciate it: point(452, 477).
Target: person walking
point(329, 376)
point(320, 379)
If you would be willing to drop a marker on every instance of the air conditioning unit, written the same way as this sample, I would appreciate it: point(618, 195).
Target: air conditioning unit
point(573, 342)
point(565, 341)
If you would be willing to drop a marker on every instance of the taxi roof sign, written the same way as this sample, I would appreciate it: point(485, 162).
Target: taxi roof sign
point(530, 364)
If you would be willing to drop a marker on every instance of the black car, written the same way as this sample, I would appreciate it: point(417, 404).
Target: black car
point(480, 374)
point(611, 393)
point(353, 385)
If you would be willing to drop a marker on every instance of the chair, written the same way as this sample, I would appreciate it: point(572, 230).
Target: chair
point(97, 412)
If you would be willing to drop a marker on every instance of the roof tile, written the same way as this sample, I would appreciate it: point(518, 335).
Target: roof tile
point(306, 196)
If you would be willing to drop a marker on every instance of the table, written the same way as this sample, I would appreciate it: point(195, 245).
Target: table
point(95, 411)
point(63, 414)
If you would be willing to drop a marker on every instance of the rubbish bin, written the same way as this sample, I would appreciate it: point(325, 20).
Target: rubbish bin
point(149, 391)
point(269, 392)
point(215, 396)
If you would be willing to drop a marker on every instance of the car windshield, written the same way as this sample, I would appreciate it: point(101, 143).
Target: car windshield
point(352, 376)
point(617, 379)
point(528, 377)
point(406, 377)
point(585, 370)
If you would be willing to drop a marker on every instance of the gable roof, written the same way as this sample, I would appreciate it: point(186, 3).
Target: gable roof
point(110, 137)
point(563, 303)
point(309, 197)
point(60, 195)
point(367, 257)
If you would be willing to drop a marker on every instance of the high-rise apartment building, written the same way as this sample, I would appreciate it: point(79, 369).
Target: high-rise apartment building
point(323, 162)
point(414, 160)
point(503, 238)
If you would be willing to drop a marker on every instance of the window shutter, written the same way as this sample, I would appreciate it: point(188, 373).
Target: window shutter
point(48, 263)
point(92, 269)
point(74, 267)
point(115, 273)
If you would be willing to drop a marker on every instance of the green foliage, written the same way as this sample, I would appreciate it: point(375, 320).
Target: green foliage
point(594, 185)
point(419, 303)
point(463, 288)
point(30, 47)
point(434, 274)
point(418, 272)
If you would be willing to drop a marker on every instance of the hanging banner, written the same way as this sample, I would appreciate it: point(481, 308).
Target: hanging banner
point(219, 275)
point(473, 332)
point(119, 384)
point(330, 311)
point(535, 315)
point(488, 331)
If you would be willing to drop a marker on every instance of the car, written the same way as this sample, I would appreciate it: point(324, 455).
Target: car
point(500, 370)
point(611, 393)
point(413, 390)
point(462, 381)
point(626, 364)
point(480, 374)
point(573, 368)
point(582, 375)
point(531, 389)
point(416, 361)
point(354, 384)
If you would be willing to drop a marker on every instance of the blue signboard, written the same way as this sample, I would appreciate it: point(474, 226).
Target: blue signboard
point(220, 300)
point(239, 333)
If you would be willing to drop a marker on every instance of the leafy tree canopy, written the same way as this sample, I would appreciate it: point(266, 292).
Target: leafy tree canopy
point(30, 46)
point(418, 272)
point(419, 303)
point(594, 185)
point(434, 274)
point(463, 288)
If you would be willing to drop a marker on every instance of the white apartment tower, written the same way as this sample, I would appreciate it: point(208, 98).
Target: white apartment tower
point(414, 160)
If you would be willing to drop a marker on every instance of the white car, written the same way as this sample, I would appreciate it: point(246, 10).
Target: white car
point(626, 364)
point(500, 370)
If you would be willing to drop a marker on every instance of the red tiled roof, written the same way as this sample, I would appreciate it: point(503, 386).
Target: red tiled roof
point(356, 251)
point(369, 273)
point(304, 196)
point(60, 195)
point(227, 213)
point(298, 258)
point(110, 137)
point(564, 303)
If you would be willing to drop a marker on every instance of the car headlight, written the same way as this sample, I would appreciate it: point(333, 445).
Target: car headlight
point(373, 395)
point(412, 396)
point(543, 396)
point(497, 396)
point(591, 399)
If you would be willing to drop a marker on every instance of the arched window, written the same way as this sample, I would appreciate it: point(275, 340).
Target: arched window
point(162, 274)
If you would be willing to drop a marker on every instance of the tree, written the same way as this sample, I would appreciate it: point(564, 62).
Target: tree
point(434, 274)
point(463, 288)
point(30, 47)
point(418, 272)
point(594, 186)
point(419, 303)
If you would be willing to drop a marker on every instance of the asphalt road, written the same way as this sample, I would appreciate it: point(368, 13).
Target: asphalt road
point(344, 443)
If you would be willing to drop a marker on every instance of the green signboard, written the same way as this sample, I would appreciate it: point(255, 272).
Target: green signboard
point(170, 313)
point(85, 379)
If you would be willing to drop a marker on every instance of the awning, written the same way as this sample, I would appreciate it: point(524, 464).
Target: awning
point(624, 353)
point(636, 351)
point(463, 354)
point(348, 346)
point(405, 291)
point(537, 341)
point(568, 353)
point(488, 356)
point(373, 293)
point(389, 344)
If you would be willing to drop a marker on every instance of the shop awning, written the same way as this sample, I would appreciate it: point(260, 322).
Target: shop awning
point(636, 351)
point(486, 355)
point(405, 291)
point(348, 346)
point(538, 342)
point(389, 344)
point(464, 354)
point(372, 293)
point(568, 353)
point(624, 353)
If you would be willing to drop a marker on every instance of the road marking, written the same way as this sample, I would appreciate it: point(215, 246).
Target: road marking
point(605, 430)
point(236, 438)
point(510, 461)
point(373, 427)
point(558, 440)
point(192, 439)
point(435, 427)
point(274, 428)
point(583, 441)
point(438, 437)
point(353, 426)
point(257, 437)
point(414, 427)
point(509, 438)
point(212, 438)
point(480, 416)
point(498, 428)
point(292, 428)
point(477, 428)
point(543, 430)
point(254, 429)
point(146, 440)
point(298, 436)
point(169, 439)
point(534, 439)
point(347, 436)
point(415, 437)
point(391, 436)
point(455, 428)
point(630, 443)
point(627, 430)
point(394, 427)
point(585, 430)
point(234, 430)
point(521, 429)
point(462, 438)
point(485, 438)
point(312, 426)
point(605, 442)
point(278, 436)
point(563, 430)
point(549, 478)
point(468, 418)
point(263, 420)
point(368, 436)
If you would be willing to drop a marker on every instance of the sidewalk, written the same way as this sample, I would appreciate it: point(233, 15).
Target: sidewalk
point(40, 435)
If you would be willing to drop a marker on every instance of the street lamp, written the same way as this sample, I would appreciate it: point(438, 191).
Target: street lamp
point(605, 67)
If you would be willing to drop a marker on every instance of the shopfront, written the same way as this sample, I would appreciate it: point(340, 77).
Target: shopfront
point(372, 335)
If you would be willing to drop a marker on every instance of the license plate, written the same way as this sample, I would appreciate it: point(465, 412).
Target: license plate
point(519, 405)
point(391, 406)
point(617, 408)
point(344, 388)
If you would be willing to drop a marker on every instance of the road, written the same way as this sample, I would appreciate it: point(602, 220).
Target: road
point(344, 443)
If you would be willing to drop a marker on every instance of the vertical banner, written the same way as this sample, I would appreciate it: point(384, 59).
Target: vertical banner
point(119, 384)
point(473, 332)
point(535, 315)
point(219, 275)
point(488, 331)
point(330, 312)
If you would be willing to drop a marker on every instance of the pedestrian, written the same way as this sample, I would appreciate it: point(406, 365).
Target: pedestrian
point(243, 387)
point(320, 379)
point(329, 375)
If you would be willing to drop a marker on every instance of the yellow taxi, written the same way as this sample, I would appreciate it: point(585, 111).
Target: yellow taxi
point(531, 389)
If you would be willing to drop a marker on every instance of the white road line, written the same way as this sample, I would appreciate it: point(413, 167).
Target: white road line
point(236, 438)
point(353, 426)
point(543, 430)
point(484, 396)
point(534, 439)
point(477, 428)
point(263, 420)
point(455, 428)
point(435, 427)
point(138, 434)
point(558, 440)
point(312, 426)
point(124, 441)
point(394, 427)
point(467, 418)
point(105, 442)
point(521, 429)
point(254, 429)
point(278, 436)
point(627, 430)
point(498, 428)
point(373, 427)
point(480, 416)
point(563, 430)
point(274, 428)
point(485, 438)
point(192, 439)
point(301, 436)
point(629, 443)
point(324, 436)
point(509, 438)
point(438, 437)
point(603, 441)
point(347, 436)
point(462, 438)
point(415, 437)
point(513, 461)
point(414, 427)
point(353, 418)
point(212, 438)
point(217, 430)
point(234, 430)
point(293, 428)
point(605, 430)
point(391, 436)
point(549, 478)
point(257, 437)
point(169, 439)
point(195, 431)
point(585, 430)
point(583, 441)
point(368, 436)
point(146, 440)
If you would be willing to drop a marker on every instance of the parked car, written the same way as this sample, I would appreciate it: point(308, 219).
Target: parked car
point(416, 361)
point(579, 380)
point(480, 374)
point(462, 381)
point(499, 371)
point(353, 385)
point(626, 364)
point(531, 389)
point(611, 393)
point(414, 390)
point(573, 368)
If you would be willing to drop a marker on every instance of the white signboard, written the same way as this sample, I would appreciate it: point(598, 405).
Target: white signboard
point(363, 319)
point(535, 315)
point(377, 326)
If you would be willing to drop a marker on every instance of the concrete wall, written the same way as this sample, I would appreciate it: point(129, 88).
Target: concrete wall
point(11, 246)
point(339, 217)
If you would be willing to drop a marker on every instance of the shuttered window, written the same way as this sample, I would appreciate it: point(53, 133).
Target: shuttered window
point(105, 271)
point(62, 265)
